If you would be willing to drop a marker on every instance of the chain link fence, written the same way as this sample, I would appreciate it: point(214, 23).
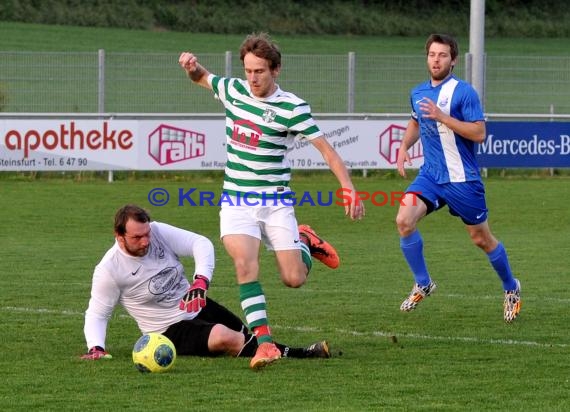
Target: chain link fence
point(59, 82)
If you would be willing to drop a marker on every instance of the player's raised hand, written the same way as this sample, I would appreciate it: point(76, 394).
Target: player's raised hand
point(188, 61)
point(195, 71)
point(195, 298)
point(95, 353)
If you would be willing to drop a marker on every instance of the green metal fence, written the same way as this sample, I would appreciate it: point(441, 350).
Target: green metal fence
point(38, 82)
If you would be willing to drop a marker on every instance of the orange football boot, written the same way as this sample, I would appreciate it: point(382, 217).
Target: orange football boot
point(320, 248)
point(266, 353)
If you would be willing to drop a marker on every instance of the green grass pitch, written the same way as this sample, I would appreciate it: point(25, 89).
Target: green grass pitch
point(453, 353)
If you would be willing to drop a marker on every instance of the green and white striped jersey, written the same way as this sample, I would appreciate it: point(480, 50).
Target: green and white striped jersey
point(259, 134)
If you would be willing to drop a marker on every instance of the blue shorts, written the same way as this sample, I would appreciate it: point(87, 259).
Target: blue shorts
point(464, 199)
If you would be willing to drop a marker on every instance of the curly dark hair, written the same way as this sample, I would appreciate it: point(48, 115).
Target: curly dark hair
point(261, 45)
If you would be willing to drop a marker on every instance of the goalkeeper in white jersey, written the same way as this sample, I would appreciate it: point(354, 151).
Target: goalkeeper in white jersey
point(262, 123)
point(143, 273)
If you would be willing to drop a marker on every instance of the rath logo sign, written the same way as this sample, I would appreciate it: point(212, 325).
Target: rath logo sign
point(390, 141)
point(169, 144)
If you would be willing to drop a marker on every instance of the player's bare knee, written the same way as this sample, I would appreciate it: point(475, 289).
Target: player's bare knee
point(225, 340)
point(404, 224)
point(294, 280)
point(295, 283)
point(245, 268)
point(478, 241)
point(486, 243)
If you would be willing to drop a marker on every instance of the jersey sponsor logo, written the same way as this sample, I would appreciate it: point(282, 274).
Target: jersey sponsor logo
point(246, 134)
point(136, 271)
point(166, 284)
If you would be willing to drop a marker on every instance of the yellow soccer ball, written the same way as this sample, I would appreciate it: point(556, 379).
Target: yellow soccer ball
point(154, 352)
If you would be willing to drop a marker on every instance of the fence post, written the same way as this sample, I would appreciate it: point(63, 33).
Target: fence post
point(351, 82)
point(101, 93)
point(228, 64)
point(351, 89)
point(101, 81)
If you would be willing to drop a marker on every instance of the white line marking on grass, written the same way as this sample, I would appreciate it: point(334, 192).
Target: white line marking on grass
point(340, 331)
point(40, 310)
point(474, 340)
point(49, 311)
point(429, 337)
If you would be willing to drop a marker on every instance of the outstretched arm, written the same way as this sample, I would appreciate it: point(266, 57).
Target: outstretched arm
point(195, 71)
point(104, 297)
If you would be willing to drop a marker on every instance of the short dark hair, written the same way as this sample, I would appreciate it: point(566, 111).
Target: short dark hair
point(443, 39)
point(127, 212)
point(261, 45)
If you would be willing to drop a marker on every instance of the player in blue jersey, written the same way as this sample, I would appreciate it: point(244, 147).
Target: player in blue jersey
point(448, 118)
point(262, 123)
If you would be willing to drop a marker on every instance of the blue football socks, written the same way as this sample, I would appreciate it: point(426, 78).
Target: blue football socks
point(413, 248)
point(500, 263)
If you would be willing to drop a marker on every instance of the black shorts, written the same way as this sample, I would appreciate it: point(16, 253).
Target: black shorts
point(190, 337)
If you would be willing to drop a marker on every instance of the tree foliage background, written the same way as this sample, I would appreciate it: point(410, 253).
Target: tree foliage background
point(507, 18)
